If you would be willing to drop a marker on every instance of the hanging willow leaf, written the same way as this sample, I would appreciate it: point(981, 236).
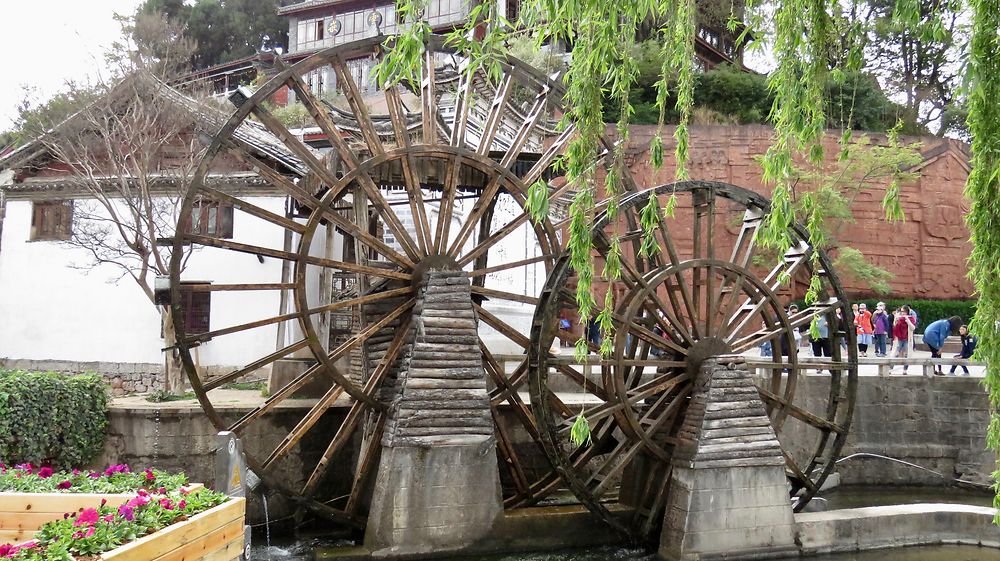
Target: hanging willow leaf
point(538, 200)
point(579, 433)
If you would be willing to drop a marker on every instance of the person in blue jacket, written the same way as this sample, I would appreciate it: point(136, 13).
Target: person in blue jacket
point(937, 333)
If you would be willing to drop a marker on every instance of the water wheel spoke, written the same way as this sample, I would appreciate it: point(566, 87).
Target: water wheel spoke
point(359, 300)
point(652, 518)
point(681, 285)
point(327, 176)
point(253, 210)
point(799, 413)
point(746, 241)
point(509, 455)
point(240, 287)
point(306, 198)
point(504, 295)
point(303, 426)
point(654, 339)
point(603, 477)
point(369, 461)
point(495, 114)
point(800, 319)
point(277, 397)
point(548, 156)
point(502, 232)
point(347, 428)
point(512, 265)
point(463, 103)
point(414, 191)
point(290, 256)
point(479, 209)
point(447, 204)
point(210, 385)
point(527, 125)
point(663, 383)
point(357, 104)
point(428, 101)
point(703, 202)
point(796, 473)
point(209, 335)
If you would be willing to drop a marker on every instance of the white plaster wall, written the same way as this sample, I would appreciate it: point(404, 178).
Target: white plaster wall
point(50, 311)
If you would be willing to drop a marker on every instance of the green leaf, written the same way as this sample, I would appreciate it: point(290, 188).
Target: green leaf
point(579, 433)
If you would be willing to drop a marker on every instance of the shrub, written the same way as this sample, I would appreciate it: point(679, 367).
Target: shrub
point(51, 418)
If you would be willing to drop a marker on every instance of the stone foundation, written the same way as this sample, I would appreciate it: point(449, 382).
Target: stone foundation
point(728, 495)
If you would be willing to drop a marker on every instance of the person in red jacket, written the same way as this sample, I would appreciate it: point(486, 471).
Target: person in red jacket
point(902, 332)
point(863, 323)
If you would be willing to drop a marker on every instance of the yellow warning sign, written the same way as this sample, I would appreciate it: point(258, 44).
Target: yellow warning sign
point(235, 481)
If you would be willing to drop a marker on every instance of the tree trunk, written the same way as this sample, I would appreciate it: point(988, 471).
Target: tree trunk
point(174, 376)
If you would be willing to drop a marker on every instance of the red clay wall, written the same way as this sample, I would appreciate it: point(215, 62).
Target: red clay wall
point(927, 252)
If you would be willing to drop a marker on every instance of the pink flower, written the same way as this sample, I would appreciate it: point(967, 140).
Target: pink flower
point(138, 501)
point(118, 468)
point(94, 475)
point(30, 544)
point(182, 505)
point(108, 518)
point(149, 474)
point(185, 491)
point(88, 516)
point(65, 485)
point(165, 503)
point(45, 472)
point(127, 512)
point(5, 549)
point(104, 502)
point(76, 471)
point(90, 532)
point(162, 490)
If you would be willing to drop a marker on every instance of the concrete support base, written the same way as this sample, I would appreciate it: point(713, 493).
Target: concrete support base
point(728, 513)
point(728, 495)
point(433, 498)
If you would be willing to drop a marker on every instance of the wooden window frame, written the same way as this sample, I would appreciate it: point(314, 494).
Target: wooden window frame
point(218, 224)
point(51, 221)
point(197, 308)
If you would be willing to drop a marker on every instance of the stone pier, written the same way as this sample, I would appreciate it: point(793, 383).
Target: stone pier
point(728, 496)
point(437, 488)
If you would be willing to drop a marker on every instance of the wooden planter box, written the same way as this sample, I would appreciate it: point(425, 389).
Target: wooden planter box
point(214, 535)
point(23, 514)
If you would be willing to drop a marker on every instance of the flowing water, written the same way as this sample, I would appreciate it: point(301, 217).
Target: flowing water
point(854, 496)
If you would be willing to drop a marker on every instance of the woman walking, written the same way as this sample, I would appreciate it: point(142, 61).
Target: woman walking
point(863, 323)
point(881, 327)
point(902, 332)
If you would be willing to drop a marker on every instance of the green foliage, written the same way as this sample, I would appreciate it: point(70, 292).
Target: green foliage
point(35, 117)
point(579, 433)
point(115, 479)
point(90, 532)
point(850, 262)
point(163, 396)
point(223, 29)
point(47, 417)
point(983, 188)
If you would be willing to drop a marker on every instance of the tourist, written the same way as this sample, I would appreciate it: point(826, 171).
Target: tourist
point(968, 347)
point(936, 334)
point(821, 344)
point(766, 349)
point(792, 310)
point(863, 323)
point(881, 327)
point(902, 331)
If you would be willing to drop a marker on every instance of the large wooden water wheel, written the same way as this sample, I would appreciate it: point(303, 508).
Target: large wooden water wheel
point(422, 176)
point(704, 288)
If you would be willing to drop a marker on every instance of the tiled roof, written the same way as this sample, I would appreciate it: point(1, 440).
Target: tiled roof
point(307, 5)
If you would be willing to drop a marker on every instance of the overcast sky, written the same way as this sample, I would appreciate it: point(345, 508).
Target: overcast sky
point(47, 42)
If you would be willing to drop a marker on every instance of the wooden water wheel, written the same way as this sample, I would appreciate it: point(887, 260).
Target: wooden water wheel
point(706, 289)
point(437, 181)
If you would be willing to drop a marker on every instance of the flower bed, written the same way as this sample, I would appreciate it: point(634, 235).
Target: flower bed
point(185, 525)
point(31, 496)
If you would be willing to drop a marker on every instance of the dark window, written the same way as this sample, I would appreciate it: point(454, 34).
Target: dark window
point(196, 308)
point(212, 218)
point(52, 220)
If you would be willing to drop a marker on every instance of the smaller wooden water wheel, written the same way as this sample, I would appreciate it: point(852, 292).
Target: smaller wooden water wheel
point(459, 151)
point(706, 289)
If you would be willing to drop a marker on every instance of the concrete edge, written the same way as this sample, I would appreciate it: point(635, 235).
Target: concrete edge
point(892, 526)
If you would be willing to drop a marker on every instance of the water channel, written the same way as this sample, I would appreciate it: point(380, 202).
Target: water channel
point(310, 549)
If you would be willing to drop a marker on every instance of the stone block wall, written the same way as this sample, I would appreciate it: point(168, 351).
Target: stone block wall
point(938, 422)
point(123, 377)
